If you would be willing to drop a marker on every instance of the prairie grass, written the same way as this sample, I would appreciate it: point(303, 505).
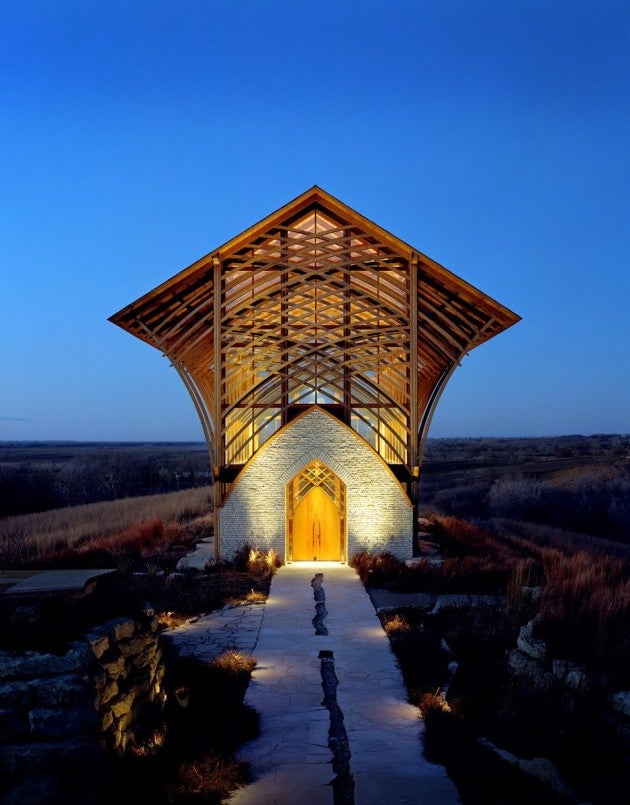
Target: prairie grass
point(547, 536)
point(395, 623)
point(31, 537)
point(234, 662)
point(585, 609)
point(475, 561)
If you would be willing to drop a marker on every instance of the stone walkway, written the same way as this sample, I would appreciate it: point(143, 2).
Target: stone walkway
point(228, 628)
point(291, 760)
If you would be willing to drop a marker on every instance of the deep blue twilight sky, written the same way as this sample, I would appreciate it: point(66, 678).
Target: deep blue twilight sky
point(136, 136)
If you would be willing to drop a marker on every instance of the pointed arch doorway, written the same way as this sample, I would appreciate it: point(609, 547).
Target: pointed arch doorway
point(316, 515)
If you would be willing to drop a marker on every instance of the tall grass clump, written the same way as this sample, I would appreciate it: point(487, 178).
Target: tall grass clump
point(376, 569)
point(255, 561)
point(585, 610)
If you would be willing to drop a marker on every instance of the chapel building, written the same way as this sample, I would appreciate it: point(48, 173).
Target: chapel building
point(315, 346)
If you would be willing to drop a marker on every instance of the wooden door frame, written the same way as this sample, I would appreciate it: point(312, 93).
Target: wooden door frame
point(341, 505)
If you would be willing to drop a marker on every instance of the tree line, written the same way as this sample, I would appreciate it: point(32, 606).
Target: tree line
point(98, 476)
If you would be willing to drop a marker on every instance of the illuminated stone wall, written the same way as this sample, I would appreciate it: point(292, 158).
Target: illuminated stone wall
point(379, 515)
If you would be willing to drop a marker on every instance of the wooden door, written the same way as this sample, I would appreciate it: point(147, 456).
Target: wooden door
point(316, 507)
point(316, 528)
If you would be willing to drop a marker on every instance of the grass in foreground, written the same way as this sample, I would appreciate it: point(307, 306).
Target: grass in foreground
point(585, 610)
point(585, 596)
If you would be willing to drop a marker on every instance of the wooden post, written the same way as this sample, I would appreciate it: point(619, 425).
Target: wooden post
point(413, 392)
point(218, 407)
point(347, 307)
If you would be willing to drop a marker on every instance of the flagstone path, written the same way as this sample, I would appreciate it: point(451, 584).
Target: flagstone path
point(365, 748)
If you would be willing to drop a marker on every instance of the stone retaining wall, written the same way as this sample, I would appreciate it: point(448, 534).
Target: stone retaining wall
point(572, 686)
point(58, 712)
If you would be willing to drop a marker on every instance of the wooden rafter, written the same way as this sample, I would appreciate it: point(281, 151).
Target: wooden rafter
point(315, 304)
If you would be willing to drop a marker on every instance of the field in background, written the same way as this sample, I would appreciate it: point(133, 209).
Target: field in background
point(27, 537)
point(39, 476)
point(562, 492)
point(549, 489)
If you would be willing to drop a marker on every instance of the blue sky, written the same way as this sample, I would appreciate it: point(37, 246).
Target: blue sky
point(136, 136)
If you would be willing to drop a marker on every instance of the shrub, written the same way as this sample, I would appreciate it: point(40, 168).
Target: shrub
point(520, 498)
point(395, 623)
point(375, 569)
point(257, 562)
point(593, 500)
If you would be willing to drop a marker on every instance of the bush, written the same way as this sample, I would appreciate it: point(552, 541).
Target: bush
point(376, 569)
point(257, 562)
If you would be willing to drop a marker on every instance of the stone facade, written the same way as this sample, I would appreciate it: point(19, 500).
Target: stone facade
point(379, 514)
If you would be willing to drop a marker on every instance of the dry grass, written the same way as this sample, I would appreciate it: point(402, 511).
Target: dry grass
point(376, 569)
point(261, 562)
point(474, 561)
point(70, 525)
point(208, 779)
point(170, 620)
point(431, 702)
point(234, 662)
point(104, 526)
point(255, 597)
point(525, 575)
point(141, 546)
point(461, 538)
point(585, 609)
point(396, 624)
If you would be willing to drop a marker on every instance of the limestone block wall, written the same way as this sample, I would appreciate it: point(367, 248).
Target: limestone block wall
point(379, 514)
point(57, 712)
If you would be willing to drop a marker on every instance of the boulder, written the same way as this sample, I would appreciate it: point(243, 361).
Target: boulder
point(121, 628)
point(530, 645)
point(98, 643)
point(620, 702)
point(465, 601)
point(542, 769)
point(525, 666)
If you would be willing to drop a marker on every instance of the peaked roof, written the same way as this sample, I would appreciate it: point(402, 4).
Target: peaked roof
point(315, 303)
point(317, 197)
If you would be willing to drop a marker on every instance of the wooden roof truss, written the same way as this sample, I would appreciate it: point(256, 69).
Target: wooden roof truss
point(315, 305)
